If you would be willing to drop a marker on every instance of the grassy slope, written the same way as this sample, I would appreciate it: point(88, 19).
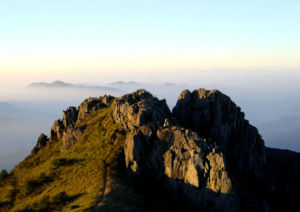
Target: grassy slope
point(85, 172)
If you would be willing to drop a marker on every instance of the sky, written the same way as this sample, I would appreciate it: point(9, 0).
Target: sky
point(66, 37)
point(249, 49)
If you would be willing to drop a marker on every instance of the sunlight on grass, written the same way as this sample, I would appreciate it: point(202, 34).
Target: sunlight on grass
point(78, 176)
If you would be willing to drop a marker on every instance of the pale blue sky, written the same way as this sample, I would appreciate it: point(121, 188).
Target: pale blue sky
point(85, 35)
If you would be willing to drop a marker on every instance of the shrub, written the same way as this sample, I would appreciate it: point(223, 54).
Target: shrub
point(63, 162)
point(34, 184)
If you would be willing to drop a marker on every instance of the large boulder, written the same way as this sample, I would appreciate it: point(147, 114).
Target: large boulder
point(140, 108)
point(195, 170)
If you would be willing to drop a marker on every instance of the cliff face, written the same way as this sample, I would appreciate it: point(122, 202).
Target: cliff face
point(203, 155)
point(215, 116)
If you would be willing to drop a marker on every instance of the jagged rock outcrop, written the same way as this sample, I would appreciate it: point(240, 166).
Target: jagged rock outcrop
point(141, 114)
point(41, 142)
point(155, 146)
point(214, 115)
point(69, 129)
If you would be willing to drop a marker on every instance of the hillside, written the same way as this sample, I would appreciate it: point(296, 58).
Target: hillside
point(133, 154)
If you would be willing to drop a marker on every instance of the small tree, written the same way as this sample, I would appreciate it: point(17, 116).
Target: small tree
point(33, 184)
point(3, 174)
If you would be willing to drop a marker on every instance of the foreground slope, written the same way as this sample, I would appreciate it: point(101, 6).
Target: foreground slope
point(39, 182)
point(133, 154)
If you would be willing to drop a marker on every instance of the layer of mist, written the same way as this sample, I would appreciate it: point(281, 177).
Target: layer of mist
point(270, 100)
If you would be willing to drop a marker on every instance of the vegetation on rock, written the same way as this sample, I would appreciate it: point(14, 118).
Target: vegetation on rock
point(73, 180)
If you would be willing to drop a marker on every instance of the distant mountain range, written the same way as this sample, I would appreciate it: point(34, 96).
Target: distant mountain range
point(53, 84)
point(61, 84)
point(124, 83)
point(117, 85)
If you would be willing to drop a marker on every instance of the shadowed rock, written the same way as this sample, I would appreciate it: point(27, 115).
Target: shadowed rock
point(41, 142)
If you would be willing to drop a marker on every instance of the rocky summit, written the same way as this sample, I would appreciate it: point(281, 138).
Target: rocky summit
point(132, 153)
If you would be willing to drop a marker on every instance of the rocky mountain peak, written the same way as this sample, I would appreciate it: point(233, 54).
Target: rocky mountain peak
point(204, 152)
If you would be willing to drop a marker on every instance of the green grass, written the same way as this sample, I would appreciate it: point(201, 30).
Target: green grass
point(73, 180)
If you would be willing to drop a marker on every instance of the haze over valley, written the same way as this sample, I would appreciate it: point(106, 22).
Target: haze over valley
point(270, 100)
